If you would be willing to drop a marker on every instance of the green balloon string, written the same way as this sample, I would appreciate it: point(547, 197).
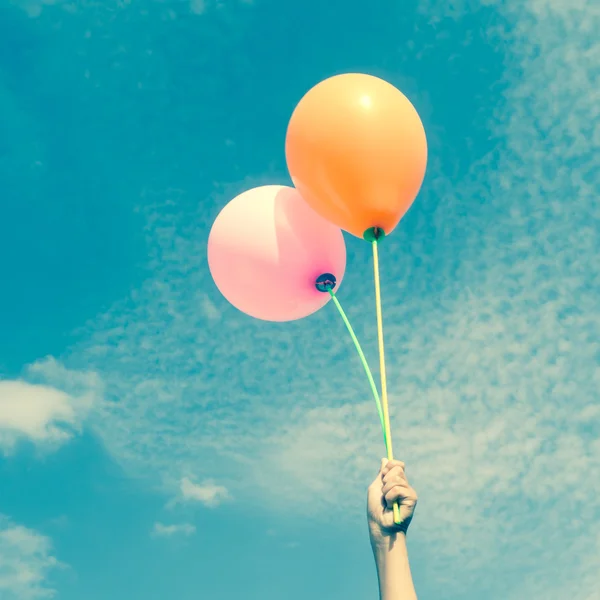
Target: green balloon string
point(363, 361)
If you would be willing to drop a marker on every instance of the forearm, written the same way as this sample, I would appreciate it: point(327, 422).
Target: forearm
point(393, 569)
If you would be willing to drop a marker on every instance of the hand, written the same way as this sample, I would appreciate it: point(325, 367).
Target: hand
point(389, 486)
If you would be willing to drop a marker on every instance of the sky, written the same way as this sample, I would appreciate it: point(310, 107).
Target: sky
point(156, 443)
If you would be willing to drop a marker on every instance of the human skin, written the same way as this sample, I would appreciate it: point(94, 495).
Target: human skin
point(388, 540)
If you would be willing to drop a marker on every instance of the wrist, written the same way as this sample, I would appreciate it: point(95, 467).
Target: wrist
point(384, 544)
point(381, 537)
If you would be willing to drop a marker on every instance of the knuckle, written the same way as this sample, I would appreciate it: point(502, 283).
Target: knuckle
point(398, 473)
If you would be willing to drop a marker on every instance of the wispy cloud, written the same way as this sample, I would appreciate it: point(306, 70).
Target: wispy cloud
point(198, 6)
point(185, 529)
point(26, 561)
point(35, 8)
point(40, 412)
point(208, 493)
point(492, 325)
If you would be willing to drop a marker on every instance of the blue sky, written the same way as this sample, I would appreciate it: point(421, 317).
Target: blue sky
point(157, 444)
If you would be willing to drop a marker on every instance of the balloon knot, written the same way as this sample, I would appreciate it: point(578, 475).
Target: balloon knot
point(325, 282)
point(374, 234)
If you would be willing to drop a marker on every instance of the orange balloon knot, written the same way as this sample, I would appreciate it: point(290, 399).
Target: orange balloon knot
point(374, 234)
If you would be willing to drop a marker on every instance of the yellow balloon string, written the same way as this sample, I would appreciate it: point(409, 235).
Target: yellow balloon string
point(384, 396)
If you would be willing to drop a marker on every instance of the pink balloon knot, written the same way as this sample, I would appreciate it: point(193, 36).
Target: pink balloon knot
point(325, 282)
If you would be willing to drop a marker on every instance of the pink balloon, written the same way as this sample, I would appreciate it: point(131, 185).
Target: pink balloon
point(266, 249)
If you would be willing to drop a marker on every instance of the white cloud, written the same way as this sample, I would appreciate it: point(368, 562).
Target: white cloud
point(26, 561)
point(42, 413)
point(185, 529)
point(208, 493)
point(38, 412)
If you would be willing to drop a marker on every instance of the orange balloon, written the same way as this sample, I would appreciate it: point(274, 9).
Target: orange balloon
point(356, 151)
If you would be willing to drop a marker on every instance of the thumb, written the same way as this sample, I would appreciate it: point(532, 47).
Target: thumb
point(384, 461)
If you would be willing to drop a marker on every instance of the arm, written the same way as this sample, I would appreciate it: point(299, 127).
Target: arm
point(393, 570)
point(388, 540)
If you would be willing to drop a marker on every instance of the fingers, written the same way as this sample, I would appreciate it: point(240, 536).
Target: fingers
point(396, 473)
point(393, 482)
point(401, 493)
point(395, 485)
point(388, 465)
point(391, 475)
